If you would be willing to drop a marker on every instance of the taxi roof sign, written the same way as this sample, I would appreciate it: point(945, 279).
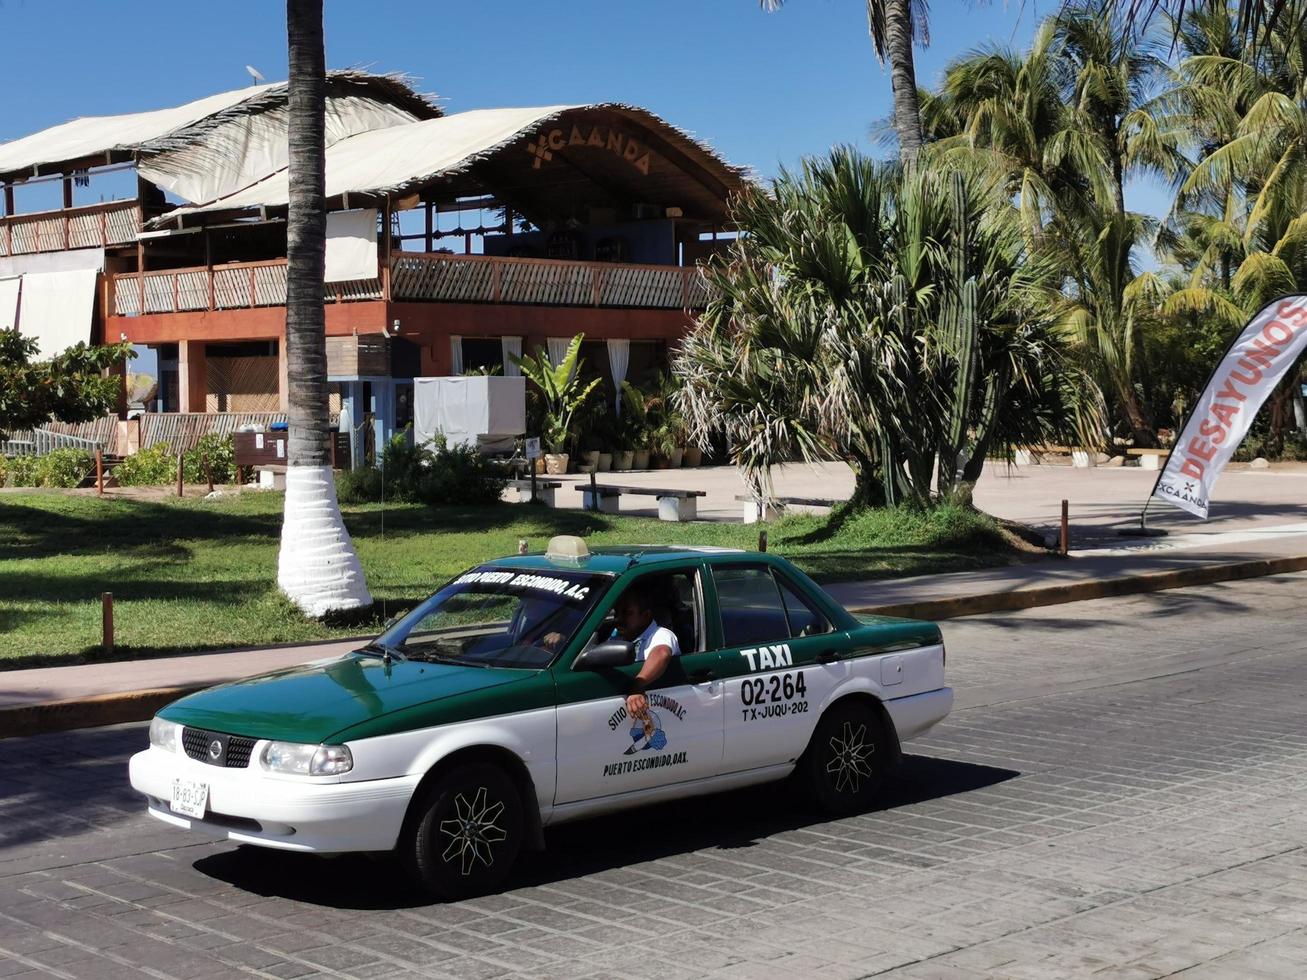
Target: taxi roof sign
point(567, 546)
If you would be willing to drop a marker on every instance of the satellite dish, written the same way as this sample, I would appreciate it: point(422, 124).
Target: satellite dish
point(256, 74)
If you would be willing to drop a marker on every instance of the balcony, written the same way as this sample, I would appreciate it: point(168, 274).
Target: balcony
point(423, 278)
point(97, 226)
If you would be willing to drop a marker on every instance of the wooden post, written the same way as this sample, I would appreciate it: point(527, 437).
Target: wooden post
point(140, 278)
point(429, 228)
point(532, 463)
point(9, 200)
point(385, 251)
point(180, 475)
point(594, 494)
point(1064, 541)
point(762, 540)
point(99, 473)
point(208, 264)
point(252, 287)
point(106, 622)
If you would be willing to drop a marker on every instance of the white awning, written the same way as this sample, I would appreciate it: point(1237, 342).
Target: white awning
point(94, 135)
point(57, 309)
point(395, 159)
point(351, 245)
point(9, 302)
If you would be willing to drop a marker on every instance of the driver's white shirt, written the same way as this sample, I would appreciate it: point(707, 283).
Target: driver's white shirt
point(655, 636)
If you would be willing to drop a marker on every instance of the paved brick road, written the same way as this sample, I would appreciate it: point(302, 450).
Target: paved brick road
point(1120, 791)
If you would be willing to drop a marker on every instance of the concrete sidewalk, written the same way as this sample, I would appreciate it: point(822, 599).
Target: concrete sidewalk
point(58, 698)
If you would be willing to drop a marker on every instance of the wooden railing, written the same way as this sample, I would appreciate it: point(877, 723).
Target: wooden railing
point(439, 277)
point(236, 286)
point(96, 226)
point(425, 278)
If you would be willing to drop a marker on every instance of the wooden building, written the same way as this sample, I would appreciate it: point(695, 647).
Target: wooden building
point(454, 240)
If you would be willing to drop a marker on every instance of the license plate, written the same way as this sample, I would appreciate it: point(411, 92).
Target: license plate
point(189, 797)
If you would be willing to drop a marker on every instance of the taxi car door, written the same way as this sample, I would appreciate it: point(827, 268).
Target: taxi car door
point(602, 751)
point(779, 663)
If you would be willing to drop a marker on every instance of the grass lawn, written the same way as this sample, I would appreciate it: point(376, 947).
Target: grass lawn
point(192, 574)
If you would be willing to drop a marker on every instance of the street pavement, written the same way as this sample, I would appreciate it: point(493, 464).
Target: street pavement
point(1118, 792)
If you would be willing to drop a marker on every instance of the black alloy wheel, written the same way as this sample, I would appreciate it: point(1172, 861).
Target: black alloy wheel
point(465, 833)
point(845, 763)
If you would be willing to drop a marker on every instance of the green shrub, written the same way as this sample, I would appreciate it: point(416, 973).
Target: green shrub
point(4, 466)
point(435, 474)
point(361, 486)
point(156, 466)
point(64, 467)
point(220, 454)
point(24, 472)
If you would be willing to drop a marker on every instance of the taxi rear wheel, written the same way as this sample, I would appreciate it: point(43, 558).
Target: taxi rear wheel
point(466, 832)
point(844, 765)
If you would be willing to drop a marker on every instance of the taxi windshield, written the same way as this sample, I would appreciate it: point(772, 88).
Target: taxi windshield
point(498, 617)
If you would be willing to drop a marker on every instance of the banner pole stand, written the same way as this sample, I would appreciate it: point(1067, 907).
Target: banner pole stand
point(1143, 530)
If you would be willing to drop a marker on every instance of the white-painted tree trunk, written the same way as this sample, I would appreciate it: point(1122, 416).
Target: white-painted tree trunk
point(317, 567)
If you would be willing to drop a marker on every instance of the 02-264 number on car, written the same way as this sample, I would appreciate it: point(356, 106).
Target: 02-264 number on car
point(774, 696)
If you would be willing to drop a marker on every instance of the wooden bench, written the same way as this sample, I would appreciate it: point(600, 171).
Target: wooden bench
point(1149, 459)
point(753, 513)
point(673, 505)
point(544, 490)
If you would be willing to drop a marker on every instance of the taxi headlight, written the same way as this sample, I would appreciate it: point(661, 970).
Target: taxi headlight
point(167, 735)
point(307, 760)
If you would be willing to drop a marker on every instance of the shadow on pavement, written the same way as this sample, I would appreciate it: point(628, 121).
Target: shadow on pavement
point(725, 821)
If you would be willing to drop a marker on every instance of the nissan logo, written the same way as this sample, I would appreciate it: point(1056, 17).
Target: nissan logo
point(215, 749)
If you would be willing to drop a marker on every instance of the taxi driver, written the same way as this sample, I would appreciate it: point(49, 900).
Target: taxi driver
point(654, 645)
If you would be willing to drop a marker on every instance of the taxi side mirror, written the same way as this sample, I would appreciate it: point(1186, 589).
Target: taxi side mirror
point(610, 653)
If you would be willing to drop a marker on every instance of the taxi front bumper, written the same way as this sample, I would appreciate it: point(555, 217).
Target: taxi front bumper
point(252, 806)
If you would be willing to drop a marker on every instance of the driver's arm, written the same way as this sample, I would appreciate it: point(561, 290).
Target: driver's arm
point(655, 663)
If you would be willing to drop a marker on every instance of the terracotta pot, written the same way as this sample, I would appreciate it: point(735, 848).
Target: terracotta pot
point(640, 459)
point(590, 458)
point(555, 463)
point(693, 456)
point(661, 462)
point(677, 456)
point(623, 460)
point(605, 462)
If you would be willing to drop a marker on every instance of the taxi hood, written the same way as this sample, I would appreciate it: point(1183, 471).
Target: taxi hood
point(313, 702)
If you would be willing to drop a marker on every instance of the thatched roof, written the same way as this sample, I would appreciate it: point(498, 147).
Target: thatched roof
point(100, 140)
point(592, 154)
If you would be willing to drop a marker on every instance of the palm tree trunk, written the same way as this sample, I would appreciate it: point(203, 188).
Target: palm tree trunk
point(317, 567)
point(903, 79)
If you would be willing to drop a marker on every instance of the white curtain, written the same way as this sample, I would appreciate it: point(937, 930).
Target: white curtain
point(619, 357)
point(351, 245)
point(9, 303)
point(455, 354)
point(511, 346)
point(558, 349)
point(57, 309)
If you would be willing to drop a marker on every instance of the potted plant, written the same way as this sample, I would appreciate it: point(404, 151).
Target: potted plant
point(633, 426)
point(667, 424)
point(563, 393)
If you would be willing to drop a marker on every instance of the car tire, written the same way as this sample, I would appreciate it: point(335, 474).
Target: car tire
point(844, 765)
point(465, 832)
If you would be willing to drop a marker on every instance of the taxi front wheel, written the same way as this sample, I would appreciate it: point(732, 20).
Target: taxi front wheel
point(465, 833)
point(846, 759)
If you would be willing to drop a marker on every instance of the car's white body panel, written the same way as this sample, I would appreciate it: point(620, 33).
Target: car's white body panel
point(364, 809)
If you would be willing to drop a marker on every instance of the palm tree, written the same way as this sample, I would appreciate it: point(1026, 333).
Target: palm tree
point(317, 567)
point(895, 321)
point(894, 25)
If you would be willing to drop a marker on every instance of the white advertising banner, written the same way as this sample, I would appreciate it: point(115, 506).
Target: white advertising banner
point(1255, 363)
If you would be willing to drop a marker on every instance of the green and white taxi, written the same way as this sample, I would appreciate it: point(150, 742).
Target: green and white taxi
point(498, 707)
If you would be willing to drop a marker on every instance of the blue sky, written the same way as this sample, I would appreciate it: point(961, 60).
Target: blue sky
point(764, 89)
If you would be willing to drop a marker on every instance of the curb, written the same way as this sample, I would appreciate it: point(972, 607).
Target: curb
point(972, 605)
point(127, 706)
point(90, 712)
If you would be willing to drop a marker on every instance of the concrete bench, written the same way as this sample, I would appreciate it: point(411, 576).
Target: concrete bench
point(544, 490)
point(1149, 459)
point(1080, 458)
point(673, 505)
point(753, 513)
